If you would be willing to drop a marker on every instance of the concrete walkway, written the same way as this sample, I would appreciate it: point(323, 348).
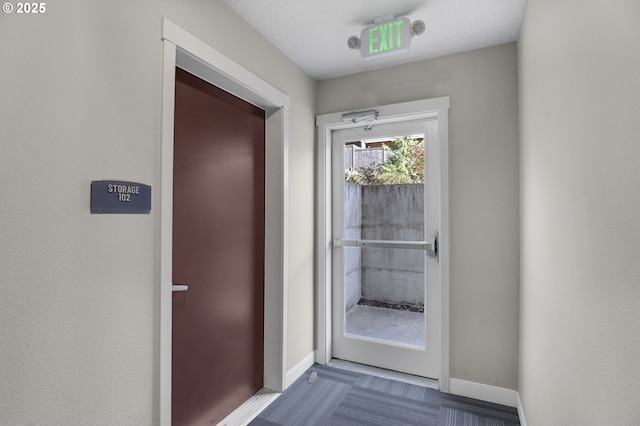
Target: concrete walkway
point(386, 324)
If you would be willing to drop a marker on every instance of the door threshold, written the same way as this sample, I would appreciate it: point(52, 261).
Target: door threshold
point(384, 373)
point(248, 411)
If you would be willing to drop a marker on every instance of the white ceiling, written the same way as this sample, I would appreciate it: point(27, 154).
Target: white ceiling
point(314, 33)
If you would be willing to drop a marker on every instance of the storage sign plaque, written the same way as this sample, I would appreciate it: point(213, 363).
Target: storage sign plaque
point(115, 196)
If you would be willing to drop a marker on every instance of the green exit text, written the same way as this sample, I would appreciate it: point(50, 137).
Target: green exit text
point(385, 38)
point(382, 38)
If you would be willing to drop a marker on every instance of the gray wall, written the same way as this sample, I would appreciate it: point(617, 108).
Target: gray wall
point(483, 175)
point(580, 178)
point(80, 100)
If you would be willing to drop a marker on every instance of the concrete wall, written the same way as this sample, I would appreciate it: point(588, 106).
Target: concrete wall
point(384, 212)
point(80, 97)
point(483, 179)
point(393, 212)
point(580, 178)
point(352, 255)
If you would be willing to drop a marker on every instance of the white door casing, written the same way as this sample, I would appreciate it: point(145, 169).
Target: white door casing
point(183, 50)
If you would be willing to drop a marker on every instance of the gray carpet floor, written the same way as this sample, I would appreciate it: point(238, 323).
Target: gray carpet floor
point(344, 398)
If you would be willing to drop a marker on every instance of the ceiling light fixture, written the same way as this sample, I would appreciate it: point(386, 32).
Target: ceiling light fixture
point(353, 42)
point(417, 28)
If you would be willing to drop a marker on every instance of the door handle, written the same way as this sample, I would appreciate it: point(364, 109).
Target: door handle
point(179, 287)
point(406, 245)
point(432, 248)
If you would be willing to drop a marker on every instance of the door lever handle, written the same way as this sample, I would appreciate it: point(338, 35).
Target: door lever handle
point(179, 287)
point(432, 251)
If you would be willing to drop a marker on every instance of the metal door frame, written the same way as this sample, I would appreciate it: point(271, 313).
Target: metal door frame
point(429, 108)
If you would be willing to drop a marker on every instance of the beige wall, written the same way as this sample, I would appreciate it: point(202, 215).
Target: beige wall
point(580, 178)
point(483, 171)
point(80, 97)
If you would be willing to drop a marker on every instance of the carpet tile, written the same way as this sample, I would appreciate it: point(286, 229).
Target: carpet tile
point(479, 412)
point(344, 398)
point(372, 408)
point(392, 387)
point(307, 403)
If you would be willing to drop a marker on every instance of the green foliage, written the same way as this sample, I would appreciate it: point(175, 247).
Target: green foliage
point(369, 175)
point(404, 164)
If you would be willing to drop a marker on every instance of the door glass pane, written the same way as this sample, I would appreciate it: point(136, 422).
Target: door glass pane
point(384, 295)
point(384, 288)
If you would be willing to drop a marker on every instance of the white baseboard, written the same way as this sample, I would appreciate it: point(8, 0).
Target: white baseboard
point(297, 371)
point(484, 392)
point(166, 421)
point(248, 411)
point(523, 422)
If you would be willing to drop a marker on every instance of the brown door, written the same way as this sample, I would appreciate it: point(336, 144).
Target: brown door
point(218, 251)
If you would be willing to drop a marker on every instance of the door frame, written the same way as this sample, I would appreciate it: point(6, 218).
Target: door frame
point(393, 113)
point(183, 50)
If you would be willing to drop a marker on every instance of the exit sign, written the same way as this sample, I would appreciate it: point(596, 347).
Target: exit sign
point(385, 38)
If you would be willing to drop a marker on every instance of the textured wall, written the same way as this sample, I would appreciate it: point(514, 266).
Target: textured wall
point(80, 98)
point(352, 255)
point(483, 184)
point(580, 178)
point(384, 212)
point(393, 212)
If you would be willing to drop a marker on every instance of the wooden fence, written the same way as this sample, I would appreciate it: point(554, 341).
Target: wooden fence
point(356, 158)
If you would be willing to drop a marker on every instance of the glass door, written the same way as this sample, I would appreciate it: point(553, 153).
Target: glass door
point(385, 308)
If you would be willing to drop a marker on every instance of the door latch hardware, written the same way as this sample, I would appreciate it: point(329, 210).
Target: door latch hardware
point(432, 248)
